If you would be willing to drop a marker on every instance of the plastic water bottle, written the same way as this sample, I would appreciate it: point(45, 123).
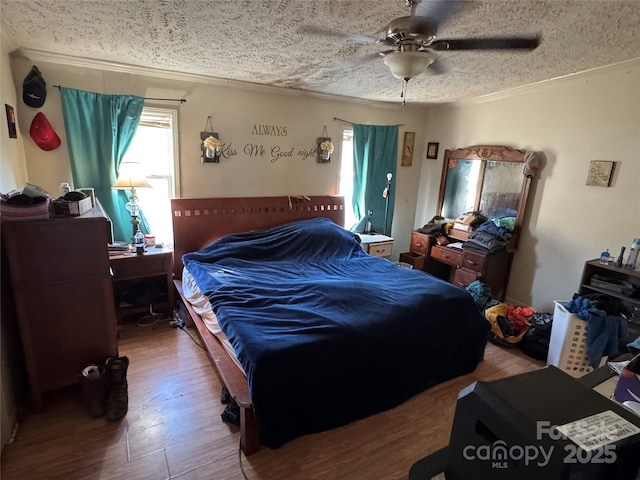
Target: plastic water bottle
point(64, 189)
point(633, 253)
point(138, 240)
point(605, 257)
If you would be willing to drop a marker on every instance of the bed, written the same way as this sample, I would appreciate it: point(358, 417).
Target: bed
point(324, 333)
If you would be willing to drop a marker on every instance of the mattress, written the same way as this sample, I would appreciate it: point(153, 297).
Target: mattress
point(202, 307)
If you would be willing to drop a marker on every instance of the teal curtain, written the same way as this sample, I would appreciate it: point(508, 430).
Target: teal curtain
point(99, 130)
point(375, 153)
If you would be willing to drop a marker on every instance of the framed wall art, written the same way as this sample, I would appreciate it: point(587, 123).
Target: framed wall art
point(600, 172)
point(11, 121)
point(432, 150)
point(407, 149)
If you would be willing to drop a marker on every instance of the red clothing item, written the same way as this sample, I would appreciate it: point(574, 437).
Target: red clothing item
point(518, 317)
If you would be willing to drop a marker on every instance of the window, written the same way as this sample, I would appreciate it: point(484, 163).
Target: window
point(154, 146)
point(346, 177)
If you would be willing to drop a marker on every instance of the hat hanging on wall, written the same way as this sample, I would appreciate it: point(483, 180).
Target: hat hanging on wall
point(34, 88)
point(43, 134)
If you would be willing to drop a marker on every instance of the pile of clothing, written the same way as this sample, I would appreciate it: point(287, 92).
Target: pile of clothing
point(509, 323)
point(494, 234)
point(513, 326)
point(606, 328)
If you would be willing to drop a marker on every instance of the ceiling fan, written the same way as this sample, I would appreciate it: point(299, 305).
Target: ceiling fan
point(414, 41)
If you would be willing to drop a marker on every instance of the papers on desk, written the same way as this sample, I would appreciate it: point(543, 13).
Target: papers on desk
point(617, 366)
point(455, 245)
point(118, 248)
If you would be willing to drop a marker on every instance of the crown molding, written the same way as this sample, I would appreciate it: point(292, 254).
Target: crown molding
point(72, 61)
point(554, 82)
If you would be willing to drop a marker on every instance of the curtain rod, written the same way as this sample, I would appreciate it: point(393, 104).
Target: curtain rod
point(351, 123)
point(181, 100)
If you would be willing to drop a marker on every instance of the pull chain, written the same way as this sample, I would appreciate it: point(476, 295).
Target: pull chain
point(403, 93)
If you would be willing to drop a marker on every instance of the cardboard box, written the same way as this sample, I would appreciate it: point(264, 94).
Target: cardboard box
point(67, 208)
point(89, 192)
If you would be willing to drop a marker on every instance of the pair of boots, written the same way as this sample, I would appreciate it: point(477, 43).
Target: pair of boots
point(105, 390)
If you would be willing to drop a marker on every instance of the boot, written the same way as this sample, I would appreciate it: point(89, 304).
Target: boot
point(118, 395)
point(93, 381)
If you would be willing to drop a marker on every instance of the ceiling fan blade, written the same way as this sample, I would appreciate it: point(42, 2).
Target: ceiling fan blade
point(437, 67)
point(368, 57)
point(495, 43)
point(313, 30)
point(440, 12)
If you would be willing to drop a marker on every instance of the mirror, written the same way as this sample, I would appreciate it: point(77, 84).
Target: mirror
point(484, 178)
point(461, 187)
point(501, 188)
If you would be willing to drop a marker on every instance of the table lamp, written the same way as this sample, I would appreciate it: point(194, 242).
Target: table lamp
point(130, 177)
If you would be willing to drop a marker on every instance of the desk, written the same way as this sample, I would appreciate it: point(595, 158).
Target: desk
point(434, 464)
point(156, 262)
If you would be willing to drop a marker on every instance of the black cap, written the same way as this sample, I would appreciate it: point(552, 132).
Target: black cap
point(34, 88)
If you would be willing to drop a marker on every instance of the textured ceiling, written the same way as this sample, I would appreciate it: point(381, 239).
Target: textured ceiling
point(257, 41)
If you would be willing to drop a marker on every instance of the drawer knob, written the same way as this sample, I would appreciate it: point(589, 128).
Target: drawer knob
point(472, 262)
point(418, 244)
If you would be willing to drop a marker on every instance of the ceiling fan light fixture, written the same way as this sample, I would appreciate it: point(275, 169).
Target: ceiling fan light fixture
point(406, 65)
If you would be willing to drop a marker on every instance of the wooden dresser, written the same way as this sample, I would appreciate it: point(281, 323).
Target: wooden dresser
point(459, 266)
point(59, 270)
point(489, 181)
point(469, 264)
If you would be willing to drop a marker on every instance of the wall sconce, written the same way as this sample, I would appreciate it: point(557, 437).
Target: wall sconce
point(325, 147)
point(210, 146)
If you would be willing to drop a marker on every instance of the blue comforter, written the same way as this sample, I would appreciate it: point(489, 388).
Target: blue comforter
point(327, 333)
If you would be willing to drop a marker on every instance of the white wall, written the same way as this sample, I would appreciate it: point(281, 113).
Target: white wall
point(13, 167)
point(234, 113)
point(591, 116)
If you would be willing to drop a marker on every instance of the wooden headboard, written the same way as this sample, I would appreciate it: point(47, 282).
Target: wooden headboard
point(199, 221)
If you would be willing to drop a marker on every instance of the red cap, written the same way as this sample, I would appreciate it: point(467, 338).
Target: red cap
point(43, 134)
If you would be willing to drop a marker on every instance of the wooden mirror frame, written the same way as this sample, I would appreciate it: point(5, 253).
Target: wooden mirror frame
point(487, 153)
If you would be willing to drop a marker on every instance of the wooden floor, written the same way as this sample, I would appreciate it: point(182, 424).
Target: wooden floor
point(173, 428)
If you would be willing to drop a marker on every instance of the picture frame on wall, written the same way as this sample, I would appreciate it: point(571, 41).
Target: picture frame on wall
point(432, 150)
point(407, 149)
point(11, 121)
point(600, 173)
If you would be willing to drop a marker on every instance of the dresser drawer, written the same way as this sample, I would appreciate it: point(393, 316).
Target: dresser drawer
point(414, 259)
point(474, 260)
point(419, 243)
point(446, 255)
point(463, 277)
point(381, 249)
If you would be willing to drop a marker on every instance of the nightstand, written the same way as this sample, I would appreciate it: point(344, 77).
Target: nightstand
point(155, 263)
point(376, 244)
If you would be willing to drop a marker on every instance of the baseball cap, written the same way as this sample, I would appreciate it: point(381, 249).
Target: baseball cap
point(43, 134)
point(34, 88)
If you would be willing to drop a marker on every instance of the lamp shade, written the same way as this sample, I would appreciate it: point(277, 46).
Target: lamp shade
point(130, 176)
point(406, 65)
